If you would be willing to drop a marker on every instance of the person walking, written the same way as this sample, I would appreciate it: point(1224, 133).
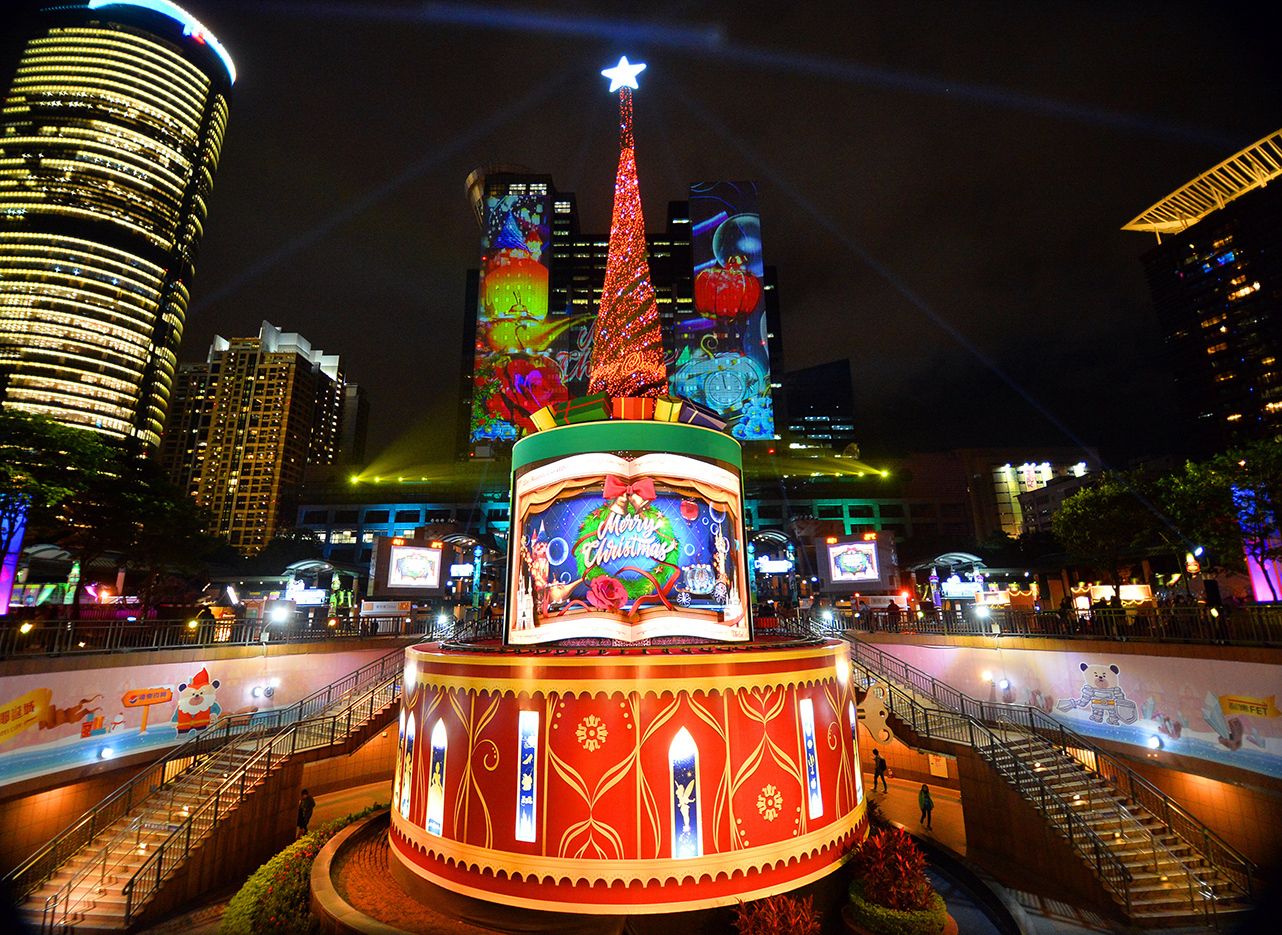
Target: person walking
point(927, 805)
point(878, 770)
point(306, 805)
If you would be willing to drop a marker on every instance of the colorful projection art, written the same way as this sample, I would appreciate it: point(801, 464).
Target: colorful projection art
point(722, 358)
point(627, 550)
point(514, 373)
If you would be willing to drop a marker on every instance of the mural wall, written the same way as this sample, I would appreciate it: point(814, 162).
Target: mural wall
point(62, 720)
point(1215, 710)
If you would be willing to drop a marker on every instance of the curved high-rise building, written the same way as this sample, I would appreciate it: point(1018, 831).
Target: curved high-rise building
point(109, 139)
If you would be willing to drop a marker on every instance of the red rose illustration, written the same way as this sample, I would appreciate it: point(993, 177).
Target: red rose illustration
point(607, 593)
point(530, 384)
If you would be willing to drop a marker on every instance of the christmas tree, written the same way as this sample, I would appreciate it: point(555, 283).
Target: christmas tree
point(627, 346)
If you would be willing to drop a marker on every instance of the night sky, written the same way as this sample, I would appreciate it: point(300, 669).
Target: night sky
point(943, 186)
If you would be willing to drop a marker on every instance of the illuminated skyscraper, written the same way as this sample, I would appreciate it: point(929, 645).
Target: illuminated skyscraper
point(109, 139)
point(244, 425)
point(1216, 280)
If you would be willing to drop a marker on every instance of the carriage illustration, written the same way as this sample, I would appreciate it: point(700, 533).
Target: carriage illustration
point(701, 581)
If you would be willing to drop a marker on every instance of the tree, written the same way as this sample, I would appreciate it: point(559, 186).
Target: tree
point(42, 465)
point(288, 546)
point(1253, 477)
point(1101, 524)
point(1198, 501)
point(169, 544)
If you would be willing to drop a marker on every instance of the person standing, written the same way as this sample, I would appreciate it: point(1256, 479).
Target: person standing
point(306, 805)
point(927, 805)
point(878, 770)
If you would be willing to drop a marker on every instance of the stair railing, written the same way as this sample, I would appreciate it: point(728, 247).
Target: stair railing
point(961, 728)
point(321, 730)
point(1232, 864)
point(40, 866)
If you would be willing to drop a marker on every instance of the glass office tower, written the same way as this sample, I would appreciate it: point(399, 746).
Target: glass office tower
point(109, 140)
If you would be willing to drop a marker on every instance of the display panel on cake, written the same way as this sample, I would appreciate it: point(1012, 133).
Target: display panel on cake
point(627, 549)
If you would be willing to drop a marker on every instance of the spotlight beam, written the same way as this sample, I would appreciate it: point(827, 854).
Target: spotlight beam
point(909, 295)
point(357, 206)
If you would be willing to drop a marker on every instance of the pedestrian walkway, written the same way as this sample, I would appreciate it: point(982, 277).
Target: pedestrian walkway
point(1036, 915)
point(899, 805)
point(206, 919)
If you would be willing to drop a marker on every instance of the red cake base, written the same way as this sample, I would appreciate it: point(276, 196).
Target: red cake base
point(624, 781)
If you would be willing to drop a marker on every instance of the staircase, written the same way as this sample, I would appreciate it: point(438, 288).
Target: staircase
point(1173, 869)
point(98, 874)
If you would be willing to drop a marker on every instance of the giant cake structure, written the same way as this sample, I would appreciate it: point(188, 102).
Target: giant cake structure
point(628, 746)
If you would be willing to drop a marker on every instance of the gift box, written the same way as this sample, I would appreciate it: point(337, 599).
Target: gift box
point(696, 415)
point(632, 407)
point(667, 409)
point(593, 408)
point(545, 418)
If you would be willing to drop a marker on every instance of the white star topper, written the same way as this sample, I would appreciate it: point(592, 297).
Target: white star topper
point(624, 74)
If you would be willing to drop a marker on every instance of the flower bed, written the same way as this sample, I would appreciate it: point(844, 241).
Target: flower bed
point(276, 896)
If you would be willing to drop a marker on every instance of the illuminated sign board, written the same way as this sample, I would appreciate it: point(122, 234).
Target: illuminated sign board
point(773, 566)
point(853, 563)
point(411, 566)
point(626, 549)
point(461, 570)
point(722, 357)
point(514, 373)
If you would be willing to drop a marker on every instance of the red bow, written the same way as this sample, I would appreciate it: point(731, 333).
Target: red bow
point(638, 493)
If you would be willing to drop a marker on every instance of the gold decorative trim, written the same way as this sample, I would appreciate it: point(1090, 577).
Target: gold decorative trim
point(599, 908)
point(558, 870)
point(591, 687)
point(732, 652)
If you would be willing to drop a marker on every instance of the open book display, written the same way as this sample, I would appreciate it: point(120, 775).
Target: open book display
point(609, 547)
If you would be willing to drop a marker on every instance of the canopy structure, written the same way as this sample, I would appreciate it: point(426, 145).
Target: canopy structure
point(1253, 167)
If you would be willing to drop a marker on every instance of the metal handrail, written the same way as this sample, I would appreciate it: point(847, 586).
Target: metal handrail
point(86, 637)
point(1236, 868)
point(41, 865)
point(1252, 625)
point(318, 731)
point(962, 728)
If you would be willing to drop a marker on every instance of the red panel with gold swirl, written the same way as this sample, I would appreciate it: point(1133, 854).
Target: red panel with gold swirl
point(610, 780)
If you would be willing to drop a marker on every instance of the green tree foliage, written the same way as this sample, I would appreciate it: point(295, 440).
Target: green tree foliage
point(1253, 477)
point(42, 465)
point(1198, 500)
point(1101, 524)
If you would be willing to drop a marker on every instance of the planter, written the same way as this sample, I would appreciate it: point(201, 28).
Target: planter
point(854, 928)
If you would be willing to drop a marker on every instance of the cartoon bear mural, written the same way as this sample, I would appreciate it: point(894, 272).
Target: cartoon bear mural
point(1102, 694)
point(197, 703)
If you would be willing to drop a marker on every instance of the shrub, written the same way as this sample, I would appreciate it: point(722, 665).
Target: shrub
point(777, 915)
point(877, 820)
point(884, 921)
point(893, 871)
point(277, 896)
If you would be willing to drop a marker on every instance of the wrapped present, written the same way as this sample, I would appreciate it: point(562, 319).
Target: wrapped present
point(667, 409)
point(696, 415)
point(545, 418)
point(593, 408)
point(632, 407)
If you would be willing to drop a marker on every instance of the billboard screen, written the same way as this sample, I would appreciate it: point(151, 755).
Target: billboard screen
point(722, 358)
point(853, 563)
point(514, 373)
point(626, 549)
point(412, 566)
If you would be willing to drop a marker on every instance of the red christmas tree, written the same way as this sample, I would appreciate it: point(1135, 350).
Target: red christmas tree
point(627, 346)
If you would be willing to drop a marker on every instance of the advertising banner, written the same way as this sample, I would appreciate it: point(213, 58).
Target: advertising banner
point(621, 549)
point(722, 358)
point(853, 563)
point(412, 566)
